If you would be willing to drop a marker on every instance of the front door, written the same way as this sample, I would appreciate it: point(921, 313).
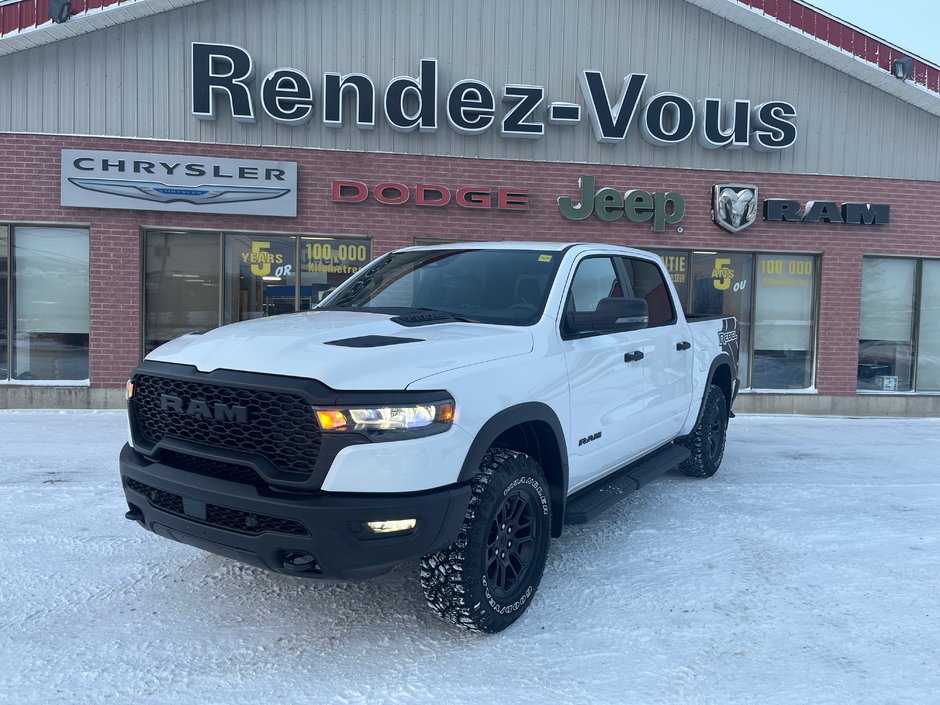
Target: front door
point(605, 383)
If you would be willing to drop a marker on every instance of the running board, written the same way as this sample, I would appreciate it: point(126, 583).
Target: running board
point(605, 493)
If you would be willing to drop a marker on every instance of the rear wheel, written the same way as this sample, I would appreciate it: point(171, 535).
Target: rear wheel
point(707, 440)
point(488, 576)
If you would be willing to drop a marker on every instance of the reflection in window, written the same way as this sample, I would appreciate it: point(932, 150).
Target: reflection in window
point(181, 285)
point(260, 276)
point(4, 303)
point(721, 285)
point(928, 339)
point(886, 337)
point(783, 322)
point(50, 294)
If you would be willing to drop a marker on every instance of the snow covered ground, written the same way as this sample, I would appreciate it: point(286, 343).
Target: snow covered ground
point(807, 571)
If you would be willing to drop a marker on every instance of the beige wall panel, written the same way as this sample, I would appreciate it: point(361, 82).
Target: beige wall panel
point(133, 80)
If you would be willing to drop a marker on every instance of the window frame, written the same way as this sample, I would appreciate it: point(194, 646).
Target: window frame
point(8, 251)
point(917, 305)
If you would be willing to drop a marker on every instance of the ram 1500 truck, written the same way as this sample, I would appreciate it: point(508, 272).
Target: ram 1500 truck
point(455, 403)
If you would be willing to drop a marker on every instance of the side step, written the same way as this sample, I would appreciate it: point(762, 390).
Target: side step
point(605, 493)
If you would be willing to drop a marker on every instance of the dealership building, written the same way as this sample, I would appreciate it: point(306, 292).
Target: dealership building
point(169, 166)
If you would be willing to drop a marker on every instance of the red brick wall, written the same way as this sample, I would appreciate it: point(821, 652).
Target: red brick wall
point(29, 192)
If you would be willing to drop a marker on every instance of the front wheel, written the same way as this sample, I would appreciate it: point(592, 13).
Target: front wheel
point(488, 576)
point(707, 440)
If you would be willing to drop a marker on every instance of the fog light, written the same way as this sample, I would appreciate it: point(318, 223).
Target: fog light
point(389, 527)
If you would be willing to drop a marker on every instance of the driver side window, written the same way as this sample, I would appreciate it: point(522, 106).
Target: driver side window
point(595, 279)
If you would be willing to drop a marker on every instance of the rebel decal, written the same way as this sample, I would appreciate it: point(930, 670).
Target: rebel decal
point(224, 73)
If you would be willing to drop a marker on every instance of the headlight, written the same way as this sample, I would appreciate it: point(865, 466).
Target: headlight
point(399, 421)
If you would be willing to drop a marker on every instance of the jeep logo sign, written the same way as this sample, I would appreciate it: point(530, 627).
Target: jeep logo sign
point(608, 204)
point(204, 410)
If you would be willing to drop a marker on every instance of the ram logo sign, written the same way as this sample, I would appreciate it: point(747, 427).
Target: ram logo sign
point(734, 206)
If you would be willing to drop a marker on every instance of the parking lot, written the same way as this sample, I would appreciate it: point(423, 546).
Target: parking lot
point(806, 571)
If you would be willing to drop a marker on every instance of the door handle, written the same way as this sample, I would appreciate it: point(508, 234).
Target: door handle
point(684, 345)
point(634, 356)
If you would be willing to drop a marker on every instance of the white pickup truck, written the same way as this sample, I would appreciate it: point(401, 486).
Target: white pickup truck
point(457, 403)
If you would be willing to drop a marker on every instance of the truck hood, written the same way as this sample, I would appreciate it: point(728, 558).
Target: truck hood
point(305, 345)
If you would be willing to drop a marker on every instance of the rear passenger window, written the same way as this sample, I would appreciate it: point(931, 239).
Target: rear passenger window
point(647, 283)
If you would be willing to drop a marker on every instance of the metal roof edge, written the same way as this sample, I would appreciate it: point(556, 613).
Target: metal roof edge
point(86, 22)
point(855, 66)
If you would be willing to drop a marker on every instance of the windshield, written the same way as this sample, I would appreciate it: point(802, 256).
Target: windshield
point(485, 286)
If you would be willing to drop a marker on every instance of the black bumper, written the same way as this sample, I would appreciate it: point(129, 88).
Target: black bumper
point(280, 531)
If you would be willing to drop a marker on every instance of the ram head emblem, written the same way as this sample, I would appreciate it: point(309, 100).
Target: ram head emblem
point(734, 206)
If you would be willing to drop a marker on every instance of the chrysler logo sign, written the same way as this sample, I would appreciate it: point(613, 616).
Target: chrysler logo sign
point(171, 182)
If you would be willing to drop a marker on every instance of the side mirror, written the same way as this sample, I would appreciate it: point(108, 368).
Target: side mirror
point(613, 315)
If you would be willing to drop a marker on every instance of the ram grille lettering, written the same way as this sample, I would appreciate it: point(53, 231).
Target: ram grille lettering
point(203, 410)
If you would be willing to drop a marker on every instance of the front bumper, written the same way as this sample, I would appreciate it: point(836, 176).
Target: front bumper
point(317, 535)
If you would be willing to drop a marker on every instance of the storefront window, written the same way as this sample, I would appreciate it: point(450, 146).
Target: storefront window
point(4, 304)
point(260, 276)
point(50, 304)
point(886, 337)
point(773, 297)
point(722, 285)
point(783, 322)
point(195, 281)
point(928, 336)
point(899, 336)
point(327, 263)
point(181, 285)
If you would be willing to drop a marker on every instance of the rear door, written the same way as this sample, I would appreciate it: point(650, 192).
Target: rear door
point(668, 354)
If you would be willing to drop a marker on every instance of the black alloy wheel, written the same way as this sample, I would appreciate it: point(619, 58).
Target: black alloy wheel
point(511, 546)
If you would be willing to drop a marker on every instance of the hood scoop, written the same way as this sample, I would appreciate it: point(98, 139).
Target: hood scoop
point(372, 341)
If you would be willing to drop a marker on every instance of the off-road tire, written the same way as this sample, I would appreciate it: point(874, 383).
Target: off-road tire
point(488, 576)
point(707, 440)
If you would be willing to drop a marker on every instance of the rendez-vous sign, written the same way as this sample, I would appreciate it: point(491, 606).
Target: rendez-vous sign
point(222, 72)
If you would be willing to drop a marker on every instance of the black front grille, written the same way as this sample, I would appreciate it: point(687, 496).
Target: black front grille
point(280, 426)
point(211, 468)
point(222, 517)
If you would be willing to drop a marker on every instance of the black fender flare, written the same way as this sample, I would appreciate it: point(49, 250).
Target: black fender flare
point(722, 358)
point(514, 416)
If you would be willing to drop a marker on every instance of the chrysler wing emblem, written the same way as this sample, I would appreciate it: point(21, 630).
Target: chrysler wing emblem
point(205, 194)
point(734, 206)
